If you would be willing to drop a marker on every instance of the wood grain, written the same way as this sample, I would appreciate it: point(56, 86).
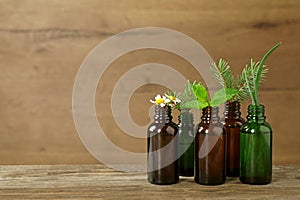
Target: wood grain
point(43, 43)
point(99, 182)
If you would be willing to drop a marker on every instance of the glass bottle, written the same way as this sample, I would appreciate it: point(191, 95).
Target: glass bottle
point(210, 149)
point(186, 143)
point(256, 148)
point(162, 148)
point(232, 122)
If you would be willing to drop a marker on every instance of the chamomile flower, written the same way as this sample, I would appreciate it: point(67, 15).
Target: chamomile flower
point(166, 100)
point(175, 100)
point(162, 101)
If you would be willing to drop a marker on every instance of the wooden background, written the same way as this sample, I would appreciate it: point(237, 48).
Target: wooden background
point(43, 43)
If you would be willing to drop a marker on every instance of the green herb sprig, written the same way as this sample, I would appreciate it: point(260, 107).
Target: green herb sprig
point(248, 83)
point(224, 76)
point(187, 97)
point(201, 98)
point(254, 74)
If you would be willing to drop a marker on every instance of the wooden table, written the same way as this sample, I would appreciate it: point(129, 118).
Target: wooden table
point(99, 182)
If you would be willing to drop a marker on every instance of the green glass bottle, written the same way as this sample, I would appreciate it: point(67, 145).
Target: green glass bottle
point(186, 143)
point(256, 148)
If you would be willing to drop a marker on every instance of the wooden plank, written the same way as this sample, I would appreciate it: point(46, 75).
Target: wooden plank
point(44, 42)
point(99, 182)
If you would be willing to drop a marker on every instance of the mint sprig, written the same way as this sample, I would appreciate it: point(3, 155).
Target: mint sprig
point(203, 100)
point(223, 95)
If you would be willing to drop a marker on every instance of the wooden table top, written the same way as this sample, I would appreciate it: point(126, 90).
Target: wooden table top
point(99, 182)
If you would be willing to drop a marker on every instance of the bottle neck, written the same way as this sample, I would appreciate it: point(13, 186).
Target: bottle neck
point(186, 119)
point(232, 110)
point(210, 115)
point(256, 113)
point(162, 114)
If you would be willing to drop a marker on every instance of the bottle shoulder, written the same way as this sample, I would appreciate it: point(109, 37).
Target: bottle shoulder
point(163, 128)
point(210, 128)
point(232, 123)
point(255, 127)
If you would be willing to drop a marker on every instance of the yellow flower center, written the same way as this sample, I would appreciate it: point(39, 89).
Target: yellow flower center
point(159, 101)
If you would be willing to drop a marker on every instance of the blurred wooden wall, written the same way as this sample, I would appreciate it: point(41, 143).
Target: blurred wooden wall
point(43, 43)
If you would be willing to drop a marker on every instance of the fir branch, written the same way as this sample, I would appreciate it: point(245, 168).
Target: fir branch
point(240, 84)
point(223, 74)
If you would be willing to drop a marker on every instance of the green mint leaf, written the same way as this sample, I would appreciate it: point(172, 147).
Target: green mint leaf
point(200, 92)
point(189, 105)
point(194, 104)
point(202, 105)
point(223, 95)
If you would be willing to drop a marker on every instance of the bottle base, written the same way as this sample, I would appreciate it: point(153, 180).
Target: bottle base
point(163, 182)
point(186, 175)
point(255, 180)
point(209, 182)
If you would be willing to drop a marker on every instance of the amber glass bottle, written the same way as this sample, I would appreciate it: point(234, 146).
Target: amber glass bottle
point(210, 149)
point(186, 143)
point(163, 148)
point(256, 148)
point(232, 122)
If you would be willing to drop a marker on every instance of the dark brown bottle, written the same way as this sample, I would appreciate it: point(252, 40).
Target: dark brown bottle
point(210, 141)
point(232, 122)
point(163, 148)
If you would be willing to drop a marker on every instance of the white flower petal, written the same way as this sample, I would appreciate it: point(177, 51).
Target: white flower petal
point(152, 101)
point(167, 101)
point(158, 97)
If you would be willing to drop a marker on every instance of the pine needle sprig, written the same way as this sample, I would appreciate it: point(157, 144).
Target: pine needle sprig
point(241, 85)
point(223, 74)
